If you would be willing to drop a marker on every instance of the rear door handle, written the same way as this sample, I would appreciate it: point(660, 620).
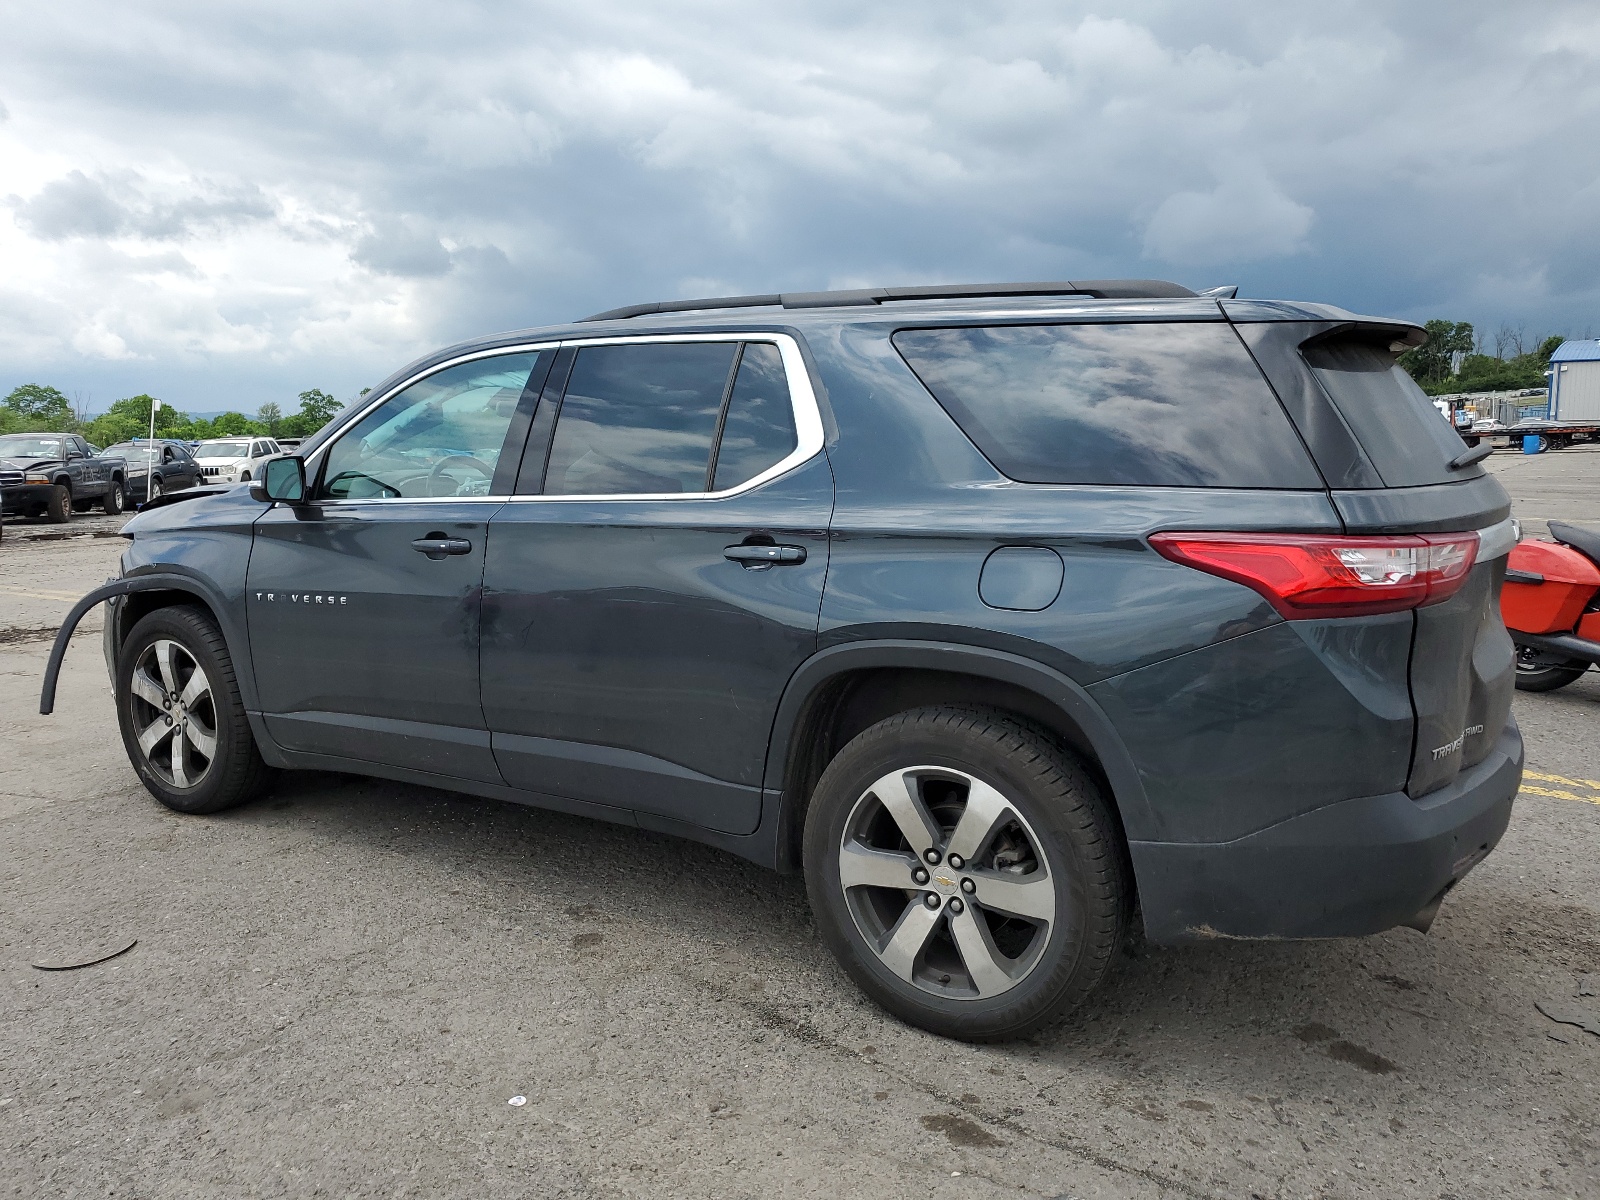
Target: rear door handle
point(756, 557)
point(436, 545)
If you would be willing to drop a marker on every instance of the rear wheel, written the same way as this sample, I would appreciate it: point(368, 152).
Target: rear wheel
point(966, 872)
point(183, 722)
point(1538, 671)
point(116, 498)
point(58, 509)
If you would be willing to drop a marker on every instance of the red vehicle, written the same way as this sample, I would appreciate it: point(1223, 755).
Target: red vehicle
point(1551, 606)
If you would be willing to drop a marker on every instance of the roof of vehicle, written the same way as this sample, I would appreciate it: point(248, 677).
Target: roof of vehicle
point(1577, 350)
point(1102, 299)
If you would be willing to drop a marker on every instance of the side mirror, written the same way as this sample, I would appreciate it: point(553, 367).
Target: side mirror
point(284, 479)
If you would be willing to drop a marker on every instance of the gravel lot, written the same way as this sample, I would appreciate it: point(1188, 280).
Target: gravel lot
point(337, 990)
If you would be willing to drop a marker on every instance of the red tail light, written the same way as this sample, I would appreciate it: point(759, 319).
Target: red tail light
point(1318, 575)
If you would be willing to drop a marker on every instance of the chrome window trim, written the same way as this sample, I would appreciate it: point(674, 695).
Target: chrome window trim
point(802, 400)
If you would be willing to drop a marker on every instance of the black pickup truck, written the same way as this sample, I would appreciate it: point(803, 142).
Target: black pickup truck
point(56, 474)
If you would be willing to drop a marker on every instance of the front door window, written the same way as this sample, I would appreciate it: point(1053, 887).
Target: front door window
point(439, 437)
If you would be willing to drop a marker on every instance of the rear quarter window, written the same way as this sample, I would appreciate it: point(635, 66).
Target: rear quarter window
point(1167, 405)
point(1405, 437)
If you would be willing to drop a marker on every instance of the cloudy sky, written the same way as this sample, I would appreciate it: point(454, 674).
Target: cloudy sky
point(225, 204)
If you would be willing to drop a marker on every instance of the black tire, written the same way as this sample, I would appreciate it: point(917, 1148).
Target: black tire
point(1066, 819)
point(116, 498)
point(154, 489)
point(235, 772)
point(58, 509)
point(244, 477)
point(1537, 673)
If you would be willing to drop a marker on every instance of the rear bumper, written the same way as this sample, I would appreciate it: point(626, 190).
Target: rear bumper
point(1352, 868)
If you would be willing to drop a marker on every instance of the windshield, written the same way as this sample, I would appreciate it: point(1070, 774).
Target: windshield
point(224, 450)
point(30, 445)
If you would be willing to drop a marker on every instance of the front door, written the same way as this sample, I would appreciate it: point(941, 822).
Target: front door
point(646, 605)
point(363, 604)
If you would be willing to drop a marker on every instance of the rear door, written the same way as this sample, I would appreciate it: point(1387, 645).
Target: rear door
point(650, 593)
point(364, 604)
point(1398, 479)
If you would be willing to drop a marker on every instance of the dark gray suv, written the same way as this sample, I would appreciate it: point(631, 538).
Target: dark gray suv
point(1011, 615)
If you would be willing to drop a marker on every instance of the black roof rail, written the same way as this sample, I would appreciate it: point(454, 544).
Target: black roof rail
point(1099, 289)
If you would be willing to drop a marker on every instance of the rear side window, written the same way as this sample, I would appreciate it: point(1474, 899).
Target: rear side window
point(1404, 435)
point(758, 430)
point(1170, 405)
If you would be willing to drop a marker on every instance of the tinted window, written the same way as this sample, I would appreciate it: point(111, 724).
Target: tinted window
point(1393, 419)
point(1178, 405)
point(638, 419)
point(759, 428)
point(441, 436)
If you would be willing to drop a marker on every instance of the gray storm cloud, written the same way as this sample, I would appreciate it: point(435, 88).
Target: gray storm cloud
point(196, 195)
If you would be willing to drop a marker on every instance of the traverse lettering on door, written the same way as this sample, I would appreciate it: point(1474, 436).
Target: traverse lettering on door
point(303, 598)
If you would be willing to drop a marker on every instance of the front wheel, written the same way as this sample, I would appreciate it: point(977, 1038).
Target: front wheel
point(58, 509)
point(1538, 671)
point(155, 489)
point(966, 872)
point(182, 719)
point(116, 499)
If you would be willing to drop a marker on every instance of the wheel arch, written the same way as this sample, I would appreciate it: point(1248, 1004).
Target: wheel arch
point(844, 689)
point(166, 589)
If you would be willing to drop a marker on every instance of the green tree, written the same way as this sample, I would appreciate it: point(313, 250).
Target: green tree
point(130, 418)
point(270, 416)
point(317, 408)
point(1433, 361)
point(1430, 363)
point(232, 424)
point(33, 406)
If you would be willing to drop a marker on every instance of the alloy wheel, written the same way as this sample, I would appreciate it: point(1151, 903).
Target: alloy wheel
point(174, 713)
point(947, 882)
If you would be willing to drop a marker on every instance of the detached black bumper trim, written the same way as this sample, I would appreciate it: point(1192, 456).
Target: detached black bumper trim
point(1353, 868)
point(116, 587)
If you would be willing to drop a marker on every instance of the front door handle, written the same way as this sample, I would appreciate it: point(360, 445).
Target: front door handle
point(757, 557)
point(437, 545)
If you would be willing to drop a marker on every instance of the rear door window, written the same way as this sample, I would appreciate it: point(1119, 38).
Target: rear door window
point(639, 420)
point(1167, 405)
point(1404, 435)
point(758, 431)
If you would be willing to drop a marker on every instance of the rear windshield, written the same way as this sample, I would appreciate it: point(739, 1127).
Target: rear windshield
point(1408, 440)
point(1167, 405)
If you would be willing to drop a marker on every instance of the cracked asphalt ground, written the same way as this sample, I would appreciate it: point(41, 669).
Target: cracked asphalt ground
point(337, 990)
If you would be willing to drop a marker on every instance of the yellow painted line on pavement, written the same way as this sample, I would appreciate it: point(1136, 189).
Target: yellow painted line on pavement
point(1577, 783)
point(1586, 791)
point(34, 595)
point(1539, 791)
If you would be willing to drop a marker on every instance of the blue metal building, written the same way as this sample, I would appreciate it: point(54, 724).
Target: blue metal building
point(1575, 381)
